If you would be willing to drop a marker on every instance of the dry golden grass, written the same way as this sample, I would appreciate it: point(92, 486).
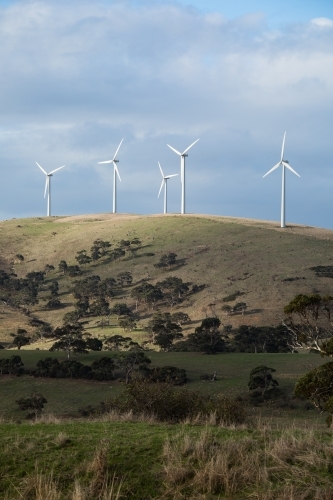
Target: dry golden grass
point(263, 467)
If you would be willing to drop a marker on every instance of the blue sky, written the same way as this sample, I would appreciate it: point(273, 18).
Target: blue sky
point(76, 77)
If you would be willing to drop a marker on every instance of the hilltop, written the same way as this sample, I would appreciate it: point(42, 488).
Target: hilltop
point(267, 265)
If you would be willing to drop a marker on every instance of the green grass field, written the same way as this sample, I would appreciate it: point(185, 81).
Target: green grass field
point(66, 396)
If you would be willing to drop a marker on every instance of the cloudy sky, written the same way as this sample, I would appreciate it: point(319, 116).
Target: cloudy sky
point(76, 77)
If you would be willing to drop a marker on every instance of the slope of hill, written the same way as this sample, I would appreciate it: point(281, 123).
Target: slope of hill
point(268, 265)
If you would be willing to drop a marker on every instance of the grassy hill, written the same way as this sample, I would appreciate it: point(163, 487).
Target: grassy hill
point(267, 264)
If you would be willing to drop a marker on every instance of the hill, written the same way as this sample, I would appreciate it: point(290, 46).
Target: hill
point(267, 265)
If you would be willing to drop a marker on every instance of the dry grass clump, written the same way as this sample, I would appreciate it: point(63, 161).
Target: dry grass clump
point(265, 467)
point(101, 485)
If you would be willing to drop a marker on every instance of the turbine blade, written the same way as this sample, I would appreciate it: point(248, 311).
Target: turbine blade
point(160, 169)
point(169, 176)
point(56, 170)
point(118, 149)
point(41, 168)
point(175, 150)
point(282, 150)
point(108, 161)
point(46, 183)
point(291, 169)
point(190, 146)
point(161, 188)
point(271, 170)
point(116, 168)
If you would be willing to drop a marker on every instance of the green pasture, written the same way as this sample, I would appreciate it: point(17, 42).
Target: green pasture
point(66, 396)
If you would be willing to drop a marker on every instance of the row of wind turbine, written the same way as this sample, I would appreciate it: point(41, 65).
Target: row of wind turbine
point(284, 163)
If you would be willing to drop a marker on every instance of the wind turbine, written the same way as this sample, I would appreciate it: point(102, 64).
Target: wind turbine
point(285, 164)
point(182, 171)
point(48, 186)
point(164, 183)
point(115, 170)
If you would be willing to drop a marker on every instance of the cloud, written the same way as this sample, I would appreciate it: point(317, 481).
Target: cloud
point(79, 76)
point(322, 22)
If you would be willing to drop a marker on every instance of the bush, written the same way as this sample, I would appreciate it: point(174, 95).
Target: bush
point(171, 404)
point(170, 374)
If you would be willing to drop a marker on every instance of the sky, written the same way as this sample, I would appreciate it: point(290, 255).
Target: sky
point(77, 77)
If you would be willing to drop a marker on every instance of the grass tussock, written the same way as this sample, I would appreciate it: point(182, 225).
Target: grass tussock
point(266, 467)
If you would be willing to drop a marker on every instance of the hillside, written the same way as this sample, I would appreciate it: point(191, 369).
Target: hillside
point(268, 265)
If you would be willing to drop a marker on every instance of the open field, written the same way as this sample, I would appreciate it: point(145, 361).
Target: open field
point(66, 396)
point(267, 264)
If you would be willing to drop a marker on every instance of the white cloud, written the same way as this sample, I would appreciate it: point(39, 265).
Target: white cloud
point(79, 76)
point(322, 22)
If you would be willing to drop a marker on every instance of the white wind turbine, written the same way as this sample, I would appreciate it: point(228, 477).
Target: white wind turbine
point(164, 183)
point(182, 171)
point(48, 186)
point(115, 170)
point(285, 164)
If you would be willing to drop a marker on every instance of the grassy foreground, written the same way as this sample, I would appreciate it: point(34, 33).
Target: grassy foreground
point(145, 460)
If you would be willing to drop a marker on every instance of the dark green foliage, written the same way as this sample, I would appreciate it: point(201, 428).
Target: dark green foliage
point(94, 344)
point(54, 288)
point(167, 261)
point(11, 366)
point(127, 323)
point(87, 287)
point(53, 303)
point(48, 268)
point(63, 266)
point(73, 271)
point(34, 403)
point(208, 338)
point(309, 320)
point(48, 367)
point(317, 386)
point(168, 403)
point(261, 339)
point(163, 331)
point(36, 277)
point(20, 338)
point(173, 289)
point(121, 309)
point(103, 369)
point(170, 374)
point(180, 318)
point(82, 258)
point(19, 257)
point(125, 278)
point(148, 294)
point(132, 363)
point(118, 343)
point(261, 378)
point(323, 271)
point(70, 339)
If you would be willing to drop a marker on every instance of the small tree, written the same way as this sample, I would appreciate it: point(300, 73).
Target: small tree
point(261, 378)
point(33, 403)
point(20, 338)
point(70, 340)
point(131, 362)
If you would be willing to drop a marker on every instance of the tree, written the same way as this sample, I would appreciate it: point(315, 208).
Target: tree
point(63, 266)
point(207, 337)
point(134, 361)
point(20, 338)
point(118, 343)
point(53, 303)
point(100, 307)
point(11, 366)
point(127, 323)
point(163, 331)
point(94, 344)
point(82, 258)
point(180, 318)
point(262, 339)
point(125, 278)
point(148, 294)
point(317, 386)
point(54, 288)
point(121, 309)
point(166, 261)
point(309, 319)
point(19, 257)
point(48, 268)
point(103, 368)
point(261, 378)
point(35, 403)
point(173, 289)
point(70, 339)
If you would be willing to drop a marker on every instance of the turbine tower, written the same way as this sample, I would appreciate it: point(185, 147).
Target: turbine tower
point(115, 170)
point(285, 164)
point(48, 186)
point(164, 183)
point(182, 172)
